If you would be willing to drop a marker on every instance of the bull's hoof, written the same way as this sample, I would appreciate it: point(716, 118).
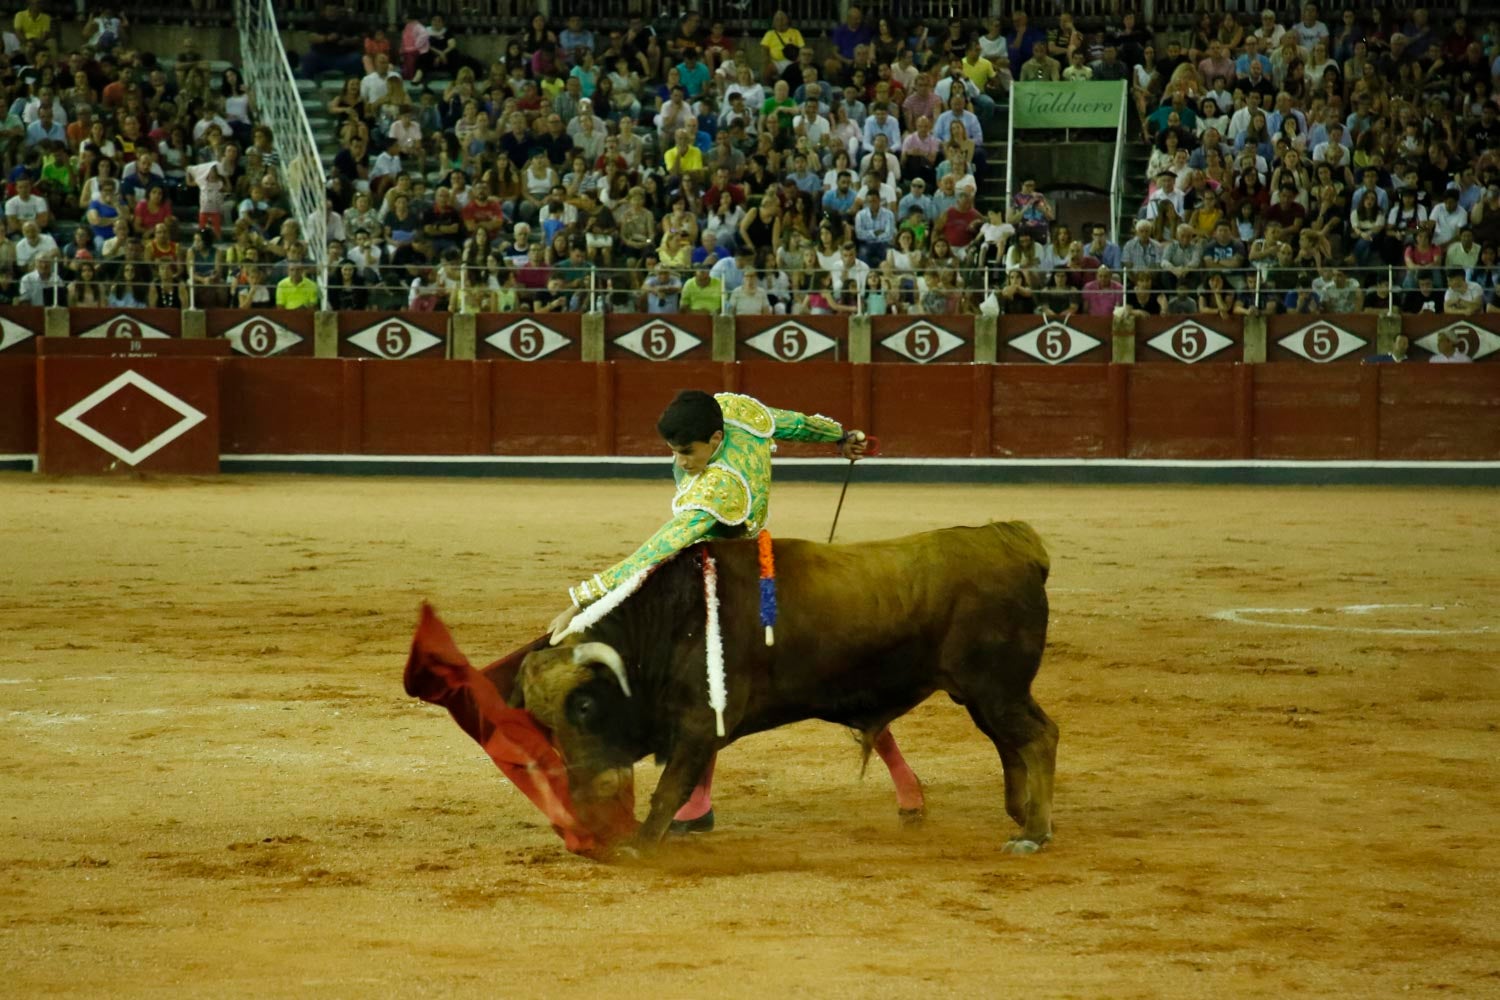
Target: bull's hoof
point(1020, 845)
point(683, 827)
point(911, 818)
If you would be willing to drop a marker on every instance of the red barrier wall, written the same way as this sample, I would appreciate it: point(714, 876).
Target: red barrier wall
point(18, 403)
point(1187, 397)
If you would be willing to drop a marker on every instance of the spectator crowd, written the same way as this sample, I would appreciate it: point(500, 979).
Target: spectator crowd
point(1296, 164)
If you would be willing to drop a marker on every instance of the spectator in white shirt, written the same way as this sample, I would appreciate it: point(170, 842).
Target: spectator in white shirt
point(1448, 352)
point(41, 286)
point(849, 268)
point(26, 206)
point(812, 124)
point(32, 244)
point(1448, 218)
point(1310, 31)
point(1464, 297)
point(375, 84)
point(1269, 31)
point(749, 299)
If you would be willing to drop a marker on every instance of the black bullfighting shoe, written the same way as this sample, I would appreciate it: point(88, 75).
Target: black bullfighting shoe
point(683, 827)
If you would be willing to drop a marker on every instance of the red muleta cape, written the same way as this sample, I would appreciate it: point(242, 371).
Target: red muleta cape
point(520, 746)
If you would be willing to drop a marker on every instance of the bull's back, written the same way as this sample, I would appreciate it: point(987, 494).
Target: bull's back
point(887, 589)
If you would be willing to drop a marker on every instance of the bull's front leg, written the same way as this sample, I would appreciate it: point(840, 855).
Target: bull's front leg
point(685, 767)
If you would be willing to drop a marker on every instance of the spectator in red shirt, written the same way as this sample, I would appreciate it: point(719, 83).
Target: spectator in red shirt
point(484, 212)
point(1287, 212)
point(152, 209)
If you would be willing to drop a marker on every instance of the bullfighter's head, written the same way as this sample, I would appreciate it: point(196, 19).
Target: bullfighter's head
point(582, 694)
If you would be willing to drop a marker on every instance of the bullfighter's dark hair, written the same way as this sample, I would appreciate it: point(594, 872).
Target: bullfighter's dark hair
point(693, 416)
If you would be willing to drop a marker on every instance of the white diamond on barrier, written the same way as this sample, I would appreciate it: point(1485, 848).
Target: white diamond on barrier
point(72, 417)
point(922, 342)
point(1055, 343)
point(658, 340)
point(125, 326)
point(1190, 342)
point(791, 341)
point(394, 339)
point(1322, 342)
point(526, 340)
point(1475, 341)
point(260, 337)
point(12, 334)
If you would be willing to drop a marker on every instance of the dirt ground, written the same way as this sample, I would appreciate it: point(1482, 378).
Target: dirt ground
point(212, 783)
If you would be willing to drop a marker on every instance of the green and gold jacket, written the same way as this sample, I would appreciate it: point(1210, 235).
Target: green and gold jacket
point(731, 497)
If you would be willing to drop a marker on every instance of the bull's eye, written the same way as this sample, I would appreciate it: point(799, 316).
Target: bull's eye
point(581, 708)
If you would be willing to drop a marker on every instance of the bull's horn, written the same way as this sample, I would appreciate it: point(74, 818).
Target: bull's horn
point(598, 652)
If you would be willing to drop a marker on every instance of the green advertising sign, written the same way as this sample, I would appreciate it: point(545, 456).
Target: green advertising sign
point(1085, 104)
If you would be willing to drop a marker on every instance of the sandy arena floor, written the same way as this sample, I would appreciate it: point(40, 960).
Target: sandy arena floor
point(213, 784)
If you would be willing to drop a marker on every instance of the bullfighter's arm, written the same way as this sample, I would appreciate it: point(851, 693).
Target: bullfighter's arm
point(750, 414)
point(687, 527)
point(794, 426)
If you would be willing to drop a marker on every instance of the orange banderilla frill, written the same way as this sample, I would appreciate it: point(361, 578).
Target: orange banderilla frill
point(520, 746)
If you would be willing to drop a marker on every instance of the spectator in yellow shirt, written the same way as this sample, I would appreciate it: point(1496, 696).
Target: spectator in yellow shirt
point(775, 42)
point(686, 159)
point(297, 290)
point(34, 25)
point(977, 68)
point(704, 294)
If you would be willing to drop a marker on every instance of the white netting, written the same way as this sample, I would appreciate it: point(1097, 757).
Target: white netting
point(269, 76)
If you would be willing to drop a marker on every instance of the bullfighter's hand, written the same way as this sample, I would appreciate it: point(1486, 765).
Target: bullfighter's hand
point(561, 622)
point(854, 446)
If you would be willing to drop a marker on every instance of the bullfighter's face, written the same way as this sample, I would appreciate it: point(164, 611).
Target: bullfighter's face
point(694, 458)
point(580, 693)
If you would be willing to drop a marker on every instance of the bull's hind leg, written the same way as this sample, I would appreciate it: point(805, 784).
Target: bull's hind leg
point(910, 801)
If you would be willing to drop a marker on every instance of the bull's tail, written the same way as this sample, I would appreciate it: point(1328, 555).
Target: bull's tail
point(1024, 539)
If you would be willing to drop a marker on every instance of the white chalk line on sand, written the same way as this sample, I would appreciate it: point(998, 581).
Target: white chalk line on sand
point(42, 717)
point(1238, 616)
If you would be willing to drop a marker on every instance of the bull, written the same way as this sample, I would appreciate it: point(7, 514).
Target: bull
point(865, 633)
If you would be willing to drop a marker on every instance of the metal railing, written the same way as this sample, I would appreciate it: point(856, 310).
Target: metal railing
point(812, 291)
point(1010, 156)
point(1116, 181)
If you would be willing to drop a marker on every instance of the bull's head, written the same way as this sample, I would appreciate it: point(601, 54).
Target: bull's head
point(581, 693)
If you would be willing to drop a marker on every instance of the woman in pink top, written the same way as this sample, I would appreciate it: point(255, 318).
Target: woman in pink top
point(1422, 256)
point(414, 45)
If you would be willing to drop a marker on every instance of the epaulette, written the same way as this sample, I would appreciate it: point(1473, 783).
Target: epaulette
point(747, 413)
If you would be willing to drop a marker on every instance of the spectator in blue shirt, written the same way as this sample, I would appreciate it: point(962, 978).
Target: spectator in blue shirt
point(693, 74)
point(874, 230)
point(958, 110)
point(730, 270)
point(45, 128)
point(574, 37)
point(882, 122)
point(1022, 39)
point(846, 38)
point(808, 180)
point(1252, 54)
point(839, 203)
point(917, 198)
